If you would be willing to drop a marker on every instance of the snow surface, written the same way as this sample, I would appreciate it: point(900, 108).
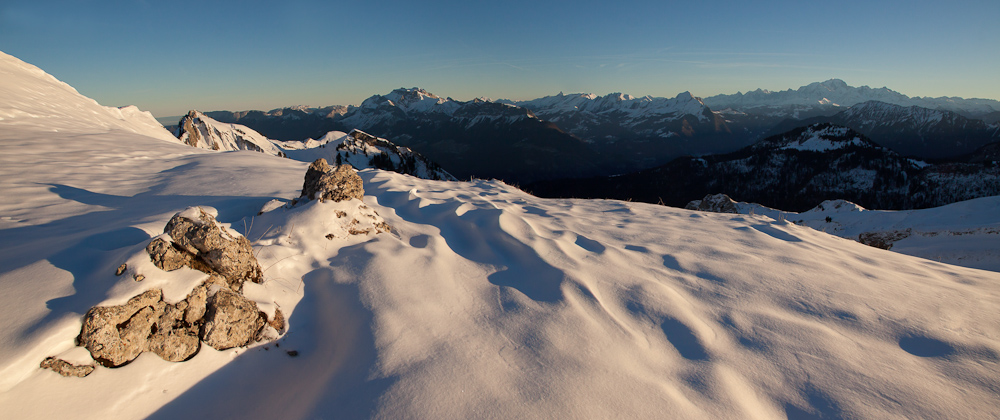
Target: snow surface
point(966, 233)
point(484, 301)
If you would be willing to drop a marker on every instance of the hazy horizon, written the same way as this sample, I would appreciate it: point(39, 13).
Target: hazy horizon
point(167, 58)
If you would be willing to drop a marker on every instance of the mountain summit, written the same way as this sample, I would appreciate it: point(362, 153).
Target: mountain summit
point(837, 93)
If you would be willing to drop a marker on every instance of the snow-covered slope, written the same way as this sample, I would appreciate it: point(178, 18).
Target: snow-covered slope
point(198, 130)
point(33, 99)
point(362, 150)
point(966, 233)
point(484, 302)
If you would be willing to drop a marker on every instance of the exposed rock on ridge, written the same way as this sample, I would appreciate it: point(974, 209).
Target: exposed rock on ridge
point(326, 183)
point(340, 186)
point(198, 130)
point(716, 203)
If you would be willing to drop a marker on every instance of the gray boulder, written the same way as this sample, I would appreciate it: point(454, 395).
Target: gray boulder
point(231, 321)
point(323, 183)
point(116, 335)
point(174, 339)
point(202, 237)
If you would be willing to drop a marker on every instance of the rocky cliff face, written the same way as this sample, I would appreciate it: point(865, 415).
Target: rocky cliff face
point(363, 150)
point(198, 130)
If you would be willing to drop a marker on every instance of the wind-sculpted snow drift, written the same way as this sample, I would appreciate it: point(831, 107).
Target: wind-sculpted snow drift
point(482, 302)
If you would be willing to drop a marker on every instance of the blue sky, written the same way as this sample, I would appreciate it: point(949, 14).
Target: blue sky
point(171, 56)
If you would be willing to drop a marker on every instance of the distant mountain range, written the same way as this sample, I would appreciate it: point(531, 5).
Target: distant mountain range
point(582, 135)
point(836, 93)
point(911, 131)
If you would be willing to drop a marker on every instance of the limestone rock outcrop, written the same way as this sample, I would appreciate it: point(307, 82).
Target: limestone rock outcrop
point(232, 321)
point(214, 313)
point(116, 335)
point(323, 182)
point(199, 242)
point(197, 232)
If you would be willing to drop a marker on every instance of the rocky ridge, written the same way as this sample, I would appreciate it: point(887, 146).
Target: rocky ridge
point(198, 130)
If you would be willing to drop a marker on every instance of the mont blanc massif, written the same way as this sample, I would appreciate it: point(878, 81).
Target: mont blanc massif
point(825, 252)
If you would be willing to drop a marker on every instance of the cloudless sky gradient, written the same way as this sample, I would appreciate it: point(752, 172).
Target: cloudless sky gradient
point(171, 56)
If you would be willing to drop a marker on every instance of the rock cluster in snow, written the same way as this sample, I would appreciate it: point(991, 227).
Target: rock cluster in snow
point(716, 203)
point(214, 312)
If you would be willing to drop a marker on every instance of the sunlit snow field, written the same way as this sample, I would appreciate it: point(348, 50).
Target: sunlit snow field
point(483, 302)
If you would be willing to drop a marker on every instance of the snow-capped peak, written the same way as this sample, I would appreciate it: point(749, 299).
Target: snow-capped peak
point(411, 100)
point(835, 84)
point(836, 92)
point(646, 106)
point(685, 96)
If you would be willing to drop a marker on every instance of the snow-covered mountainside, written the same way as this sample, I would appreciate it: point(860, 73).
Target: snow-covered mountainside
point(197, 130)
point(966, 233)
point(35, 99)
point(402, 105)
point(286, 124)
point(643, 131)
point(918, 131)
point(797, 170)
point(912, 131)
point(483, 302)
point(837, 93)
point(362, 150)
point(632, 110)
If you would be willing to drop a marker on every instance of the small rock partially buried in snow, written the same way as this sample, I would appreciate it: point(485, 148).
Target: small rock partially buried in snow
point(716, 203)
point(65, 368)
